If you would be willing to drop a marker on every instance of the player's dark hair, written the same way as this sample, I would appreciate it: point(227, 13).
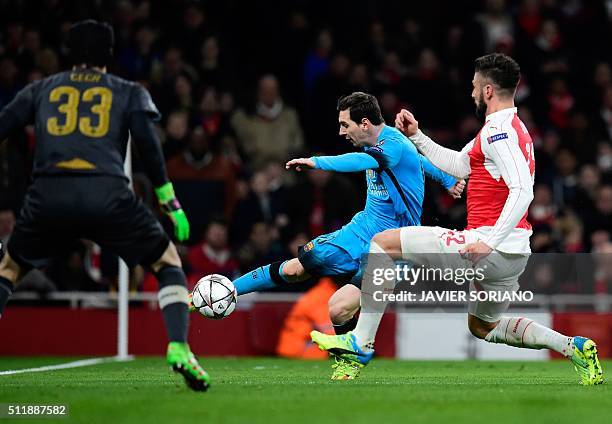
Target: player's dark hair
point(502, 70)
point(91, 42)
point(361, 105)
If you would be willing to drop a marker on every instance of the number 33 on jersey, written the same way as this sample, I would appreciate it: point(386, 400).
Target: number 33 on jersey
point(82, 120)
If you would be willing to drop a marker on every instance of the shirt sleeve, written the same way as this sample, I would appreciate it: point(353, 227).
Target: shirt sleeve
point(436, 174)
point(505, 153)
point(18, 113)
point(148, 145)
point(387, 152)
point(450, 161)
point(348, 162)
point(141, 101)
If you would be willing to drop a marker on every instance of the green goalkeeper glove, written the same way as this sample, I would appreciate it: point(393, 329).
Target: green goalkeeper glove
point(171, 207)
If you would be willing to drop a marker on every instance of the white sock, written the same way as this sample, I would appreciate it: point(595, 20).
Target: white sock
point(526, 333)
point(372, 311)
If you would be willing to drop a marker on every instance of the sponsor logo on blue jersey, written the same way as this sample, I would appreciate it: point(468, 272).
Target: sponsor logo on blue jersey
point(308, 247)
point(376, 186)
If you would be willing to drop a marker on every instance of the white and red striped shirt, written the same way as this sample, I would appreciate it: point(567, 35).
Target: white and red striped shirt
point(500, 187)
point(500, 164)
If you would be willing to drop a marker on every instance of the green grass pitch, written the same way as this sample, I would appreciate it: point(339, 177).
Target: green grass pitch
point(268, 390)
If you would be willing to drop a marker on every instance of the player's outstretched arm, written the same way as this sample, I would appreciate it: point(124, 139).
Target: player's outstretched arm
point(349, 162)
point(450, 161)
point(145, 138)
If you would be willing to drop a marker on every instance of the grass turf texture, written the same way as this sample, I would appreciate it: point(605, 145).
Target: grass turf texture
point(267, 390)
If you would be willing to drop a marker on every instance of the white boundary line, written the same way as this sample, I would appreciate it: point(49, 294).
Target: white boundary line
point(73, 364)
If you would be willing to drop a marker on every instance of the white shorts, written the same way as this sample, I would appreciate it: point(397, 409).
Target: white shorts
point(439, 247)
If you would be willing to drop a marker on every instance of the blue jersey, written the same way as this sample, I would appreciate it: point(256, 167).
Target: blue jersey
point(395, 176)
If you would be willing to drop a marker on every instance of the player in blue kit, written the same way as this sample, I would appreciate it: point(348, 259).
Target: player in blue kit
point(395, 175)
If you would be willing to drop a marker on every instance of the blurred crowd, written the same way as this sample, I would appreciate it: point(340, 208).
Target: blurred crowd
point(244, 86)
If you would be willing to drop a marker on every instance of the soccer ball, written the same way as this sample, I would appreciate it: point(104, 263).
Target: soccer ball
point(214, 296)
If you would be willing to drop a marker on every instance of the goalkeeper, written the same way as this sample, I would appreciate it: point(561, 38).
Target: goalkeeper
point(79, 190)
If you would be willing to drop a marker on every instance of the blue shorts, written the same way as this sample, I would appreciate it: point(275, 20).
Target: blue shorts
point(336, 254)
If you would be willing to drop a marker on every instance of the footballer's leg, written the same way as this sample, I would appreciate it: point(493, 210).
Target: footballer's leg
point(313, 259)
point(419, 245)
point(173, 302)
point(343, 306)
point(357, 347)
point(130, 230)
point(526, 333)
point(270, 276)
point(486, 321)
point(33, 242)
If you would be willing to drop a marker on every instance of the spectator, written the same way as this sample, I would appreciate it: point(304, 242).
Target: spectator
point(322, 202)
point(213, 72)
point(261, 248)
point(182, 97)
point(211, 116)
point(193, 31)
point(390, 104)
point(164, 76)
point(47, 61)
point(273, 130)
point(29, 50)
point(378, 44)
point(139, 58)
point(601, 220)
point(605, 112)
point(323, 116)
point(202, 172)
point(529, 18)
point(392, 70)
point(602, 76)
point(359, 79)
point(496, 23)
point(603, 271)
point(542, 210)
point(69, 272)
point(317, 61)
point(424, 86)
point(259, 205)
point(560, 101)
point(549, 46)
point(586, 193)
point(212, 255)
point(604, 157)
point(176, 132)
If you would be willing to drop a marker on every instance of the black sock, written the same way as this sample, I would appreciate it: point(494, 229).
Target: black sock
point(172, 290)
point(345, 327)
point(6, 290)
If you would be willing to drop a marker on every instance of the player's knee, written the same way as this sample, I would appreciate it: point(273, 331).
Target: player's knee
point(293, 269)
point(387, 240)
point(480, 328)
point(9, 269)
point(170, 257)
